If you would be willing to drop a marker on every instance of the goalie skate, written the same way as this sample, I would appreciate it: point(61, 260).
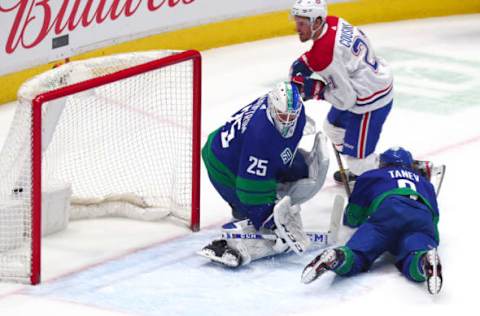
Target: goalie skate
point(218, 251)
point(328, 260)
point(433, 271)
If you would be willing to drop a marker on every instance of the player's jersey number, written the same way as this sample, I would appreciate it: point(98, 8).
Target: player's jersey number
point(404, 183)
point(238, 122)
point(228, 135)
point(257, 166)
point(360, 44)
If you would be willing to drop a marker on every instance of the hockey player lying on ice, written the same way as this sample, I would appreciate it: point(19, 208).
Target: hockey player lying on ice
point(396, 210)
point(254, 163)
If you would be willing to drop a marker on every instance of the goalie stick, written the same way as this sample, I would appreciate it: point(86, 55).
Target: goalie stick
point(326, 238)
point(316, 237)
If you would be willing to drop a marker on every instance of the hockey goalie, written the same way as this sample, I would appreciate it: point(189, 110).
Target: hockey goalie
point(254, 163)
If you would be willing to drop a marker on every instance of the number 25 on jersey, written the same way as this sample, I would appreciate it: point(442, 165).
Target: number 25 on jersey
point(257, 166)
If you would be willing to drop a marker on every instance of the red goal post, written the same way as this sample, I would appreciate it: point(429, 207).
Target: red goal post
point(145, 117)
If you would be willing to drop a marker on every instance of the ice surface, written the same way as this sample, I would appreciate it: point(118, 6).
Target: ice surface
point(436, 65)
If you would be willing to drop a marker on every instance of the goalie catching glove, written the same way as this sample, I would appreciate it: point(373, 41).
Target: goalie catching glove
point(289, 227)
point(317, 160)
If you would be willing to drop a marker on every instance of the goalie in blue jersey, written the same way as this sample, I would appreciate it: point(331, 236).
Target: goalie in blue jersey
point(254, 163)
point(396, 210)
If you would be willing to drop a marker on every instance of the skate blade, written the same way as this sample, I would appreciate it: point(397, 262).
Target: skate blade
point(222, 261)
point(434, 281)
point(308, 275)
point(434, 285)
point(206, 254)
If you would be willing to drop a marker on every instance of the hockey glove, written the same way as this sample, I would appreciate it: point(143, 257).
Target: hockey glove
point(310, 84)
point(308, 87)
point(317, 161)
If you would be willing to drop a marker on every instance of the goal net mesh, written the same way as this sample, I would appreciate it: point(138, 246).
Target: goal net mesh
point(122, 148)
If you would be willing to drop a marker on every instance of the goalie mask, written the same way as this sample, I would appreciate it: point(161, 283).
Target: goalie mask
point(285, 105)
point(396, 156)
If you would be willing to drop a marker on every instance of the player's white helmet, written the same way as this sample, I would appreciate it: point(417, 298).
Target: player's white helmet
point(311, 9)
point(285, 105)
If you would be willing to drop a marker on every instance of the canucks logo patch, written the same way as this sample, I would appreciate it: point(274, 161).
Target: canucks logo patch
point(286, 155)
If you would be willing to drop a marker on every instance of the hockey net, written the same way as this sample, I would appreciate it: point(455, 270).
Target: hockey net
point(109, 136)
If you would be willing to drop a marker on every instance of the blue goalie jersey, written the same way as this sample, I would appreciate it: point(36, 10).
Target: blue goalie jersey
point(248, 156)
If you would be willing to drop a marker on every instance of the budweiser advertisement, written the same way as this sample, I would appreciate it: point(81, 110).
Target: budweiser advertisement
point(35, 32)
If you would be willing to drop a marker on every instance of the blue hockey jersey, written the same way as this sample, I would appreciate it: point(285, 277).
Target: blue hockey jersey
point(249, 155)
point(374, 186)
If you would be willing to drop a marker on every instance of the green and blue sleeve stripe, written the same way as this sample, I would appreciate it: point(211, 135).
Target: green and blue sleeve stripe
point(249, 192)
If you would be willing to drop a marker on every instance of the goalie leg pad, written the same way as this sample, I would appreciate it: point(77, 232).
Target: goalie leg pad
point(289, 225)
point(251, 249)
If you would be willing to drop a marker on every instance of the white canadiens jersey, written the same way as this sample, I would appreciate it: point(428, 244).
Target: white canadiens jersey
point(358, 80)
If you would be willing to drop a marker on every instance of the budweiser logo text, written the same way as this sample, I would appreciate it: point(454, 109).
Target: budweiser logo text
point(29, 14)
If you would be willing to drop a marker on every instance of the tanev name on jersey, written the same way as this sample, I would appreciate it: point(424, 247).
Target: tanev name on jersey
point(394, 174)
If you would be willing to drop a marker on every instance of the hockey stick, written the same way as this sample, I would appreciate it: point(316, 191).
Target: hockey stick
point(336, 217)
point(315, 237)
point(326, 238)
point(343, 174)
point(439, 173)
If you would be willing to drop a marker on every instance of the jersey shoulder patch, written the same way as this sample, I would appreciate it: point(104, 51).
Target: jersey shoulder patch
point(320, 56)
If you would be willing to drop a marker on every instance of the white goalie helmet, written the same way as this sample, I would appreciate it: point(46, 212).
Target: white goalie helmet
point(284, 106)
point(311, 9)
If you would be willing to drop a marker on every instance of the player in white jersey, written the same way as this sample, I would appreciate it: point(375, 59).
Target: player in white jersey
point(342, 68)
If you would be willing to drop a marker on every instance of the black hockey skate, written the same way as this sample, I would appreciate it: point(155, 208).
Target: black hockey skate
point(350, 177)
point(219, 251)
point(328, 260)
point(433, 271)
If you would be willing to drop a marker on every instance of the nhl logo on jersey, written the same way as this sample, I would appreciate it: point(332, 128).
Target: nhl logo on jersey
point(286, 155)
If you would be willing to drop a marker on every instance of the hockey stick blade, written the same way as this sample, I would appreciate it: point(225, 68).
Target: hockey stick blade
point(336, 218)
point(439, 173)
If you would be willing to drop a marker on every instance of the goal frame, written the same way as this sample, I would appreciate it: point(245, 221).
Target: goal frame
point(41, 99)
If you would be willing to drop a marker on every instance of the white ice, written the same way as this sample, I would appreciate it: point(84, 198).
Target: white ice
point(122, 267)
